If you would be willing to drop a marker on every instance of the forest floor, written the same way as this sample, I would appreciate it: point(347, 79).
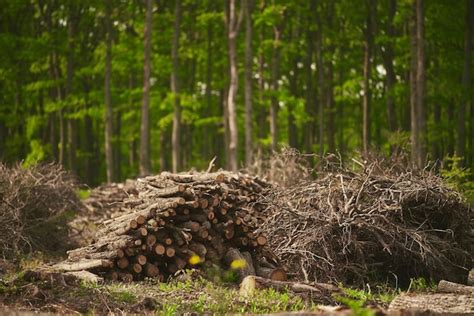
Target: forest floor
point(186, 294)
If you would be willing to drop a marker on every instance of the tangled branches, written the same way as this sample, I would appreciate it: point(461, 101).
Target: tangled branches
point(374, 224)
point(33, 206)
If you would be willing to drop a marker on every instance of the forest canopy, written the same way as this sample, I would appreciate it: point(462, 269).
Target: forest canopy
point(116, 88)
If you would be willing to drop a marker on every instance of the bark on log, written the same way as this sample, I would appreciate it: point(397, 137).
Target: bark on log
point(251, 283)
point(433, 304)
point(450, 287)
point(85, 264)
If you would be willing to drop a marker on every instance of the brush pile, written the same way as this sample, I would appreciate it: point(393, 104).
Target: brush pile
point(104, 202)
point(179, 221)
point(382, 223)
point(35, 204)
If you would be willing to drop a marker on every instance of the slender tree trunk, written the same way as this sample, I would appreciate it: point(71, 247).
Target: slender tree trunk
point(437, 142)
point(109, 130)
point(117, 146)
point(368, 44)
point(466, 79)
point(175, 86)
point(414, 115)
point(60, 97)
point(309, 98)
point(331, 130)
point(274, 73)
point(420, 78)
point(207, 133)
point(451, 121)
point(321, 89)
point(232, 31)
point(292, 130)
point(390, 80)
point(145, 164)
point(248, 82)
point(330, 107)
point(71, 123)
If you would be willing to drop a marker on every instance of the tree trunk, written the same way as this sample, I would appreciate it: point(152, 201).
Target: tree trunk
point(292, 130)
point(331, 130)
point(420, 78)
point(417, 79)
point(145, 164)
point(248, 82)
point(109, 154)
point(232, 31)
point(466, 79)
point(117, 146)
point(274, 73)
point(390, 80)
point(309, 98)
point(320, 74)
point(175, 86)
point(368, 44)
point(71, 123)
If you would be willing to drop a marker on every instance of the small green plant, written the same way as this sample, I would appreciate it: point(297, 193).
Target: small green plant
point(421, 284)
point(356, 306)
point(169, 309)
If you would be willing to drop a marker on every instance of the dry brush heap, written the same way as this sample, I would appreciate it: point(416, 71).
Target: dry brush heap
point(35, 204)
point(178, 221)
point(384, 222)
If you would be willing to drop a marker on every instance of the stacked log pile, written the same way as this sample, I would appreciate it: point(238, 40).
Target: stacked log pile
point(178, 221)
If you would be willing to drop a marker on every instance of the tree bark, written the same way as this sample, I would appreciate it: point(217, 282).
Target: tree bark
point(417, 76)
point(109, 154)
point(145, 164)
point(390, 80)
point(71, 123)
point(417, 81)
point(368, 48)
point(248, 82)
point(175, 87)
point(320, 76)
point(331, 130)
point(232, 31)
point(274, 73)
point(466, 79)
point(420, 78)
point(309, 97)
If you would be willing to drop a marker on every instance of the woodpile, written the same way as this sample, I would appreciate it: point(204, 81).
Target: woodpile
point(179, 221)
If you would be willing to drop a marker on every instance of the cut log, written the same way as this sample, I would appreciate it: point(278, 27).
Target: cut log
point(83, 265)
point(122, 263)
point(151, 270)
point(252, 283)
point(433, 304)
point(85, 276)
point(160, 249)
point(450, 287)
point(276, 274)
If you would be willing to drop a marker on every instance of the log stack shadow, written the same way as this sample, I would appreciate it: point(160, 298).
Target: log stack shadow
point(180, 221)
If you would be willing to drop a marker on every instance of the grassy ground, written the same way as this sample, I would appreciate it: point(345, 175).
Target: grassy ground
point(193, 295)
point(189, 293)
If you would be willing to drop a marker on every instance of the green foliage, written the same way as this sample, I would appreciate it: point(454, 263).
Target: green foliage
point(36, 52)
point(37, 154)
point(458, 177)
point(421, 284)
